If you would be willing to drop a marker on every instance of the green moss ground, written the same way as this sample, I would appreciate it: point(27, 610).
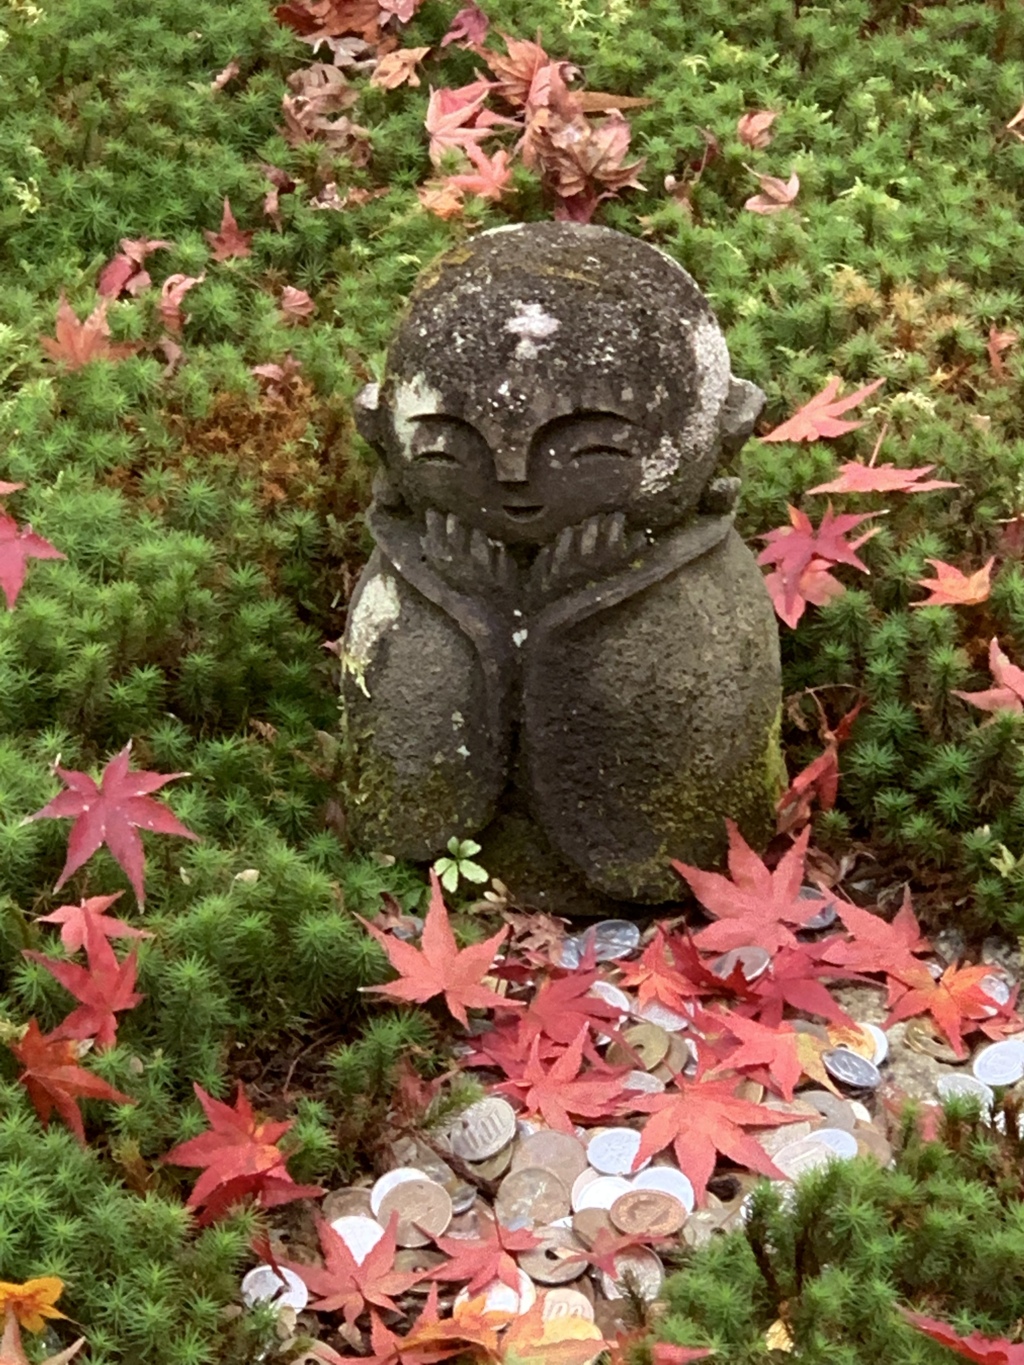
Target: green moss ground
point(212, 532)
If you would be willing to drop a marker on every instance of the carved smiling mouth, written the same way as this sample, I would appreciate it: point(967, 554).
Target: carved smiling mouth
point(521, 511)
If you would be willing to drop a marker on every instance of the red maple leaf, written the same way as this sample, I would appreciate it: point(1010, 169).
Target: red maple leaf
point(126, 272)
point(76, 919)
point(468, 28)
point(855, 477)
point(103, 988)
point(998, 342)
point(752, 905)
point(699, 973)
point(815, 585)
point(482, 1260)
point(172, 291)
point(345, 1285)
point(557, 1091)
point(451, 118)
point(230, 240)
point(1008, 693)
point(770, 1050)
point(819, 781)
point(78, 343)
point(54, 1079)
point(19, 544)
point(241, 1158)
point(753, 128)
point(655, 975)
point(876, 945)
point(820, 415)
point(441, 968)
point(420, 1347)
point(562, 1007)
point(700, 1118)
point(491, 177)
point(664, 1353)
point(800, 547)
point(983, 1350)
point(951, 588)
point(956, 1001)
point(775, 196)
point(794, 979)
point(110, 814)
point(518, 68)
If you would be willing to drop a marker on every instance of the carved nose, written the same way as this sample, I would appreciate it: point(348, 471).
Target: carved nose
point(511, 466)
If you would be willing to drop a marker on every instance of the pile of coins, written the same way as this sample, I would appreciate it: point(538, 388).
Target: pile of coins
point(597, 1218)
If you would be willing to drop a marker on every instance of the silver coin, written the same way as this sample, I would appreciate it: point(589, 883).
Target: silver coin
point(654, 1012)
point(844, 1144)
point(667, 1180)
point(614, 1151)
point(851, 1069)
point(643, 1080)
point(826, 916)
point(752, 962)
point(571, 952)
point(1000, 1064)
point(637, 1270)
point(499, 1298)
point(263, 1284)
point(956, 1085)
point(881, 1042)
point(613, 995)
point(359, 1234)
point(611, 939)
point(996, 987)
point(483, 1129)
point(389, 1180)
point(796, 1158)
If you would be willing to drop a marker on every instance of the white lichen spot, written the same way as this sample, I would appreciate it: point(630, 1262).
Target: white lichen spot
point(627, 394)
point(413, 398)
point(462, 751)
point(376, 610)
point(531, 324)
point(658, 468)
point(458, 720)
point(518, 636)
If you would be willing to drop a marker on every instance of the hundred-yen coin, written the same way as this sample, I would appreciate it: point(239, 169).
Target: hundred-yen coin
point(795, 1158)
point(838, 1140)
point(851, 1069)
point(637, 1271)
point(389, 1180)
point(554, 1151)
point(612, 995)
point(752, 962)
point(601, 1193)
point(499, 1298)
point(1001, 1063)
point(613, 1151)
point(643, 1080)
point(482, 1130)
point(957, 1085)
point(556, 1260)
point(668, 1180)
point(531, 1197)
point(826, 916)
point(566, 1303)
point(613, 939)
point(283, 1288)
point(424, 1211)
point(359, 1234)
point(647, 1213)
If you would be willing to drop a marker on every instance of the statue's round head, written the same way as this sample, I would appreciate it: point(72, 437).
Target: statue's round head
point(549, 372)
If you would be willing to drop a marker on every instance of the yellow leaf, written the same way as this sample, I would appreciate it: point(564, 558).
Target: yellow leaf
point(777, 1337)
point(32, 1302)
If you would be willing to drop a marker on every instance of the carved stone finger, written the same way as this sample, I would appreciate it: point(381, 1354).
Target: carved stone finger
point(590, 533)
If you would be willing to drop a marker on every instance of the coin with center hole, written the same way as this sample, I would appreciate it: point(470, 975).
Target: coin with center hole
point(647, 1041)
point(482, 1130)
point(554, 1151)
point(668, 1180)
point(417, 1260)
point(531, 1197)
point(359, 1234)
point(614, 1151)
point(637, 1271)
point(839, 1113)
point(647, 1213)
point(1000, 1064)
point(424, 1211)
point(556, 1260)
point(851, 1069)
point(566, 1303)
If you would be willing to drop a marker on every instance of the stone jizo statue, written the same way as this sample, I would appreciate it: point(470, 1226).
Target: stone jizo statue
point(560, 644)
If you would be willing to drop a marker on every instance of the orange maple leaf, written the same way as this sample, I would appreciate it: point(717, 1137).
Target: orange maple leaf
point(230, 240)
point(32, 1302)
point(54, 1079)
point(398, 68)
point(957, 1002)
point(951, 588)
point(77, 343)
point(820, 416)
point(441, 968)
point(753, 129)
point(490, 178)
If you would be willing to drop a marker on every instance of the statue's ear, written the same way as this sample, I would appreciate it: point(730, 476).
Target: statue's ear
point(369, 416)
point(739, 412)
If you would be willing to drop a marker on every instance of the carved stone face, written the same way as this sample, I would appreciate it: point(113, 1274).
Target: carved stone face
point(551, 372)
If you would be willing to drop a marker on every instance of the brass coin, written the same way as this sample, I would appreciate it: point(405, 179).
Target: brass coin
point(566, 1303)
point(681, 1056)
point(531, 1197)
point(354, 1200)
point(750, 1090)
point(855, 1039)
point(554, 1151)
point(647, 1213)
point(648, 1041)
point(416, 1259)
point(424, 1211)
point(494, 1167)
point(588, 1225)
point(921, 1037)
point(553, 1262)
